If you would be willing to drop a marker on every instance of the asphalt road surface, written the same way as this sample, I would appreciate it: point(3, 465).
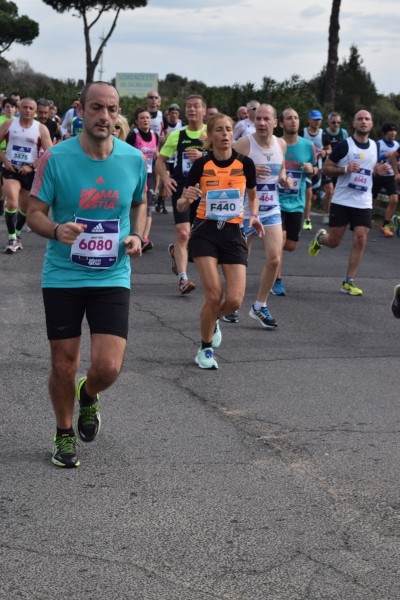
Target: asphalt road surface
point(274, 478)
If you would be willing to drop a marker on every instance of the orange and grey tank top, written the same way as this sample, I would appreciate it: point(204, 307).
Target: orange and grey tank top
point(223, 191)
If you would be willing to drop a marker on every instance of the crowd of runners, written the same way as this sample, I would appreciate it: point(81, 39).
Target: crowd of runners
point(89, 183)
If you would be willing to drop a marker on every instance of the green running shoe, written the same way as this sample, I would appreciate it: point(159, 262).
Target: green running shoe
point(349, 287)
point(396, 223)
point(64, 451)
point(89, 421)
point(314, 246)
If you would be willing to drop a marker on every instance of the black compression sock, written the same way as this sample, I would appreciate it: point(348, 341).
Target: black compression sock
point(206, 345)
point(69, 431)
point(85, 399)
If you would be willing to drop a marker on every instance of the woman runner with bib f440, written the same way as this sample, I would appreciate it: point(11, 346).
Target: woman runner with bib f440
point(217, 182)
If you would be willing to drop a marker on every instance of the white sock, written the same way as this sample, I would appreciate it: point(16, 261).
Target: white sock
point(258, 305)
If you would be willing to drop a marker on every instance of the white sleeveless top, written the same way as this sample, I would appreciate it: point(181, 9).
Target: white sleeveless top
point(315, 139)
point(355, 189)
point(22, 143)
point(384, 150)
point(267, 187)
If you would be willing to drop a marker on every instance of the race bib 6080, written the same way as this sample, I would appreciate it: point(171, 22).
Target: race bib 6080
point(97, 246)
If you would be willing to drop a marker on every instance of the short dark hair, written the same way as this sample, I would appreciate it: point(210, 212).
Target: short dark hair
point(386, 127)
point(281, 116)
point(197, 97)
point(8, 101)
point(86, 88)
point(138, 112)
point(43, 102)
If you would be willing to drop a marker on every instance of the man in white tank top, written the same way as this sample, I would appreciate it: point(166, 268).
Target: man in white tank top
point(24, 137)
point(246, 126)
point(268, 154)
point(153, 100)
point(353, 161)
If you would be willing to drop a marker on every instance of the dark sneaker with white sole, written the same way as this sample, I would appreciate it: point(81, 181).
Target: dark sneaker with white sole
point(89, 421)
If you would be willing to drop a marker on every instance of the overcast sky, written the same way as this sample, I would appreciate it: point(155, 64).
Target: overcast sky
point(219, 42)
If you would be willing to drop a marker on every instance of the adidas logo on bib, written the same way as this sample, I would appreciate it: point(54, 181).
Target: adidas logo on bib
point(98, 228)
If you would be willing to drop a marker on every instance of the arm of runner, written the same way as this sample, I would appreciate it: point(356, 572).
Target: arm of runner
point(3, 132)
point(254, 206)
point(66, 124)
point(189, 195)
point(333, 170)
point(138, 215)
point(283, 180)
point(45, 138)
point(169, 184)
point(38, 220)
point(393, 160)
point(310, 169)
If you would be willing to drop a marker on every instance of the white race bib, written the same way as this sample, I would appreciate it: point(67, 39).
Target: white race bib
point(223, 205)
point(96, 247)
point(360, 181)
point(296, 178)
point(20, 155)
point(267, 196)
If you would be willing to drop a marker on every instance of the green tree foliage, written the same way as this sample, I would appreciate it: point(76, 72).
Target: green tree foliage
point(174, 86)
point(84, 9)
point(294, 92)
point(15, 29)
point(355, 88)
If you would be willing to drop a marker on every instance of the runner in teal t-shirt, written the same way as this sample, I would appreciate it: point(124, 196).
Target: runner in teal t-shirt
point(297, 155)
point(300, 161)
point(103, 192)
point(90, 185)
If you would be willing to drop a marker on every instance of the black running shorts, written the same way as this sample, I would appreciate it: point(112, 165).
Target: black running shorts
point(340, 216)
point(291, 223)
point(179, 217)
point(224, 241)
point(26, 181)
point(387, 182)
point(106, 308)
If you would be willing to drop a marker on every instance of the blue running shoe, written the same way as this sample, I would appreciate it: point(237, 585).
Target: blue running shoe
point(278, 288)
point(263, 316)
